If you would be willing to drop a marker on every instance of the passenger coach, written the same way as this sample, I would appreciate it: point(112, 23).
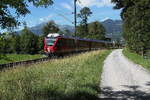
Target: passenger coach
point(55, 44)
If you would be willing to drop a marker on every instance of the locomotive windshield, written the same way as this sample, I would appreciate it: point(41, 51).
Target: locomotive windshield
point(50, 41)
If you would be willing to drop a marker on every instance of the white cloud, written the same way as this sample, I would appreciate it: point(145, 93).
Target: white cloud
point(98, 3)
point(45, 19)
point(67, 6)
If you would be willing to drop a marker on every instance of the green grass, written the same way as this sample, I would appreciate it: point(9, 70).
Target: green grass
point(8, 58)
point(72, 78)
point(137, 59)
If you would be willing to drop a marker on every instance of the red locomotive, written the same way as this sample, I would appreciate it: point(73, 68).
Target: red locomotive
point(55, 44)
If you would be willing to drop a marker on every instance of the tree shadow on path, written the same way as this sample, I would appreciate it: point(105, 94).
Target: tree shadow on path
point(106, 93)
point(133, 93)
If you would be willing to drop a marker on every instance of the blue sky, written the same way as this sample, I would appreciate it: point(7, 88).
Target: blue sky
point(61, 12)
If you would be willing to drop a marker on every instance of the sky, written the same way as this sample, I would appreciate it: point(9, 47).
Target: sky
point(62, 12)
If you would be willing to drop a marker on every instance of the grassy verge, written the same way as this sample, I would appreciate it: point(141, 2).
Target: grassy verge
point(137, 59)
point(73, 78)
point(8, 58)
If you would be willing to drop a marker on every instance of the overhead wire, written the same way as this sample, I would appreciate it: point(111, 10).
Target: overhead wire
point(61, 11)
point(63, 14)
point(80, 3)
point(65, 18)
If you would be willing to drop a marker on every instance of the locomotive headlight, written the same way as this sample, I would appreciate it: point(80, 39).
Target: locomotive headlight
point(48, 49)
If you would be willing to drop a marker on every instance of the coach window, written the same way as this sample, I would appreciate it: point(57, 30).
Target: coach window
point(71, 43)
point(59, 44)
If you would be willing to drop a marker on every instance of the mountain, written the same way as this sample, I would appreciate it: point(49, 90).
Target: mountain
point(38, 28)
point(113, 28)
point(66, 27)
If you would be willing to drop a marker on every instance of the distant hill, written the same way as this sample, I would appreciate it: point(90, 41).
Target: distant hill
point(113, 27)
point(38, 28)
point(66, 27)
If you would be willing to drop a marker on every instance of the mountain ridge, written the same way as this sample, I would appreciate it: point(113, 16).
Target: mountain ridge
point(111, 26)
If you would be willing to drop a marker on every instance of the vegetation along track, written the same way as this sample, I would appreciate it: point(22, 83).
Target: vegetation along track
point(27, 62)
point(72, 78)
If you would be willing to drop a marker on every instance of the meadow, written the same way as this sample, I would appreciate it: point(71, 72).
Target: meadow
point(71, 78)
point(137, 59)
point(8, 58)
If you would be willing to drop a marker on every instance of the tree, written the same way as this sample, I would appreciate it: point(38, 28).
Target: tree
point(5, 43)
point(28, 42)
point(65, 32)
point(84, 15)
point(9, 43)
point(136, 18)
point(96, 30)
point(14, 43)
point(50, 27)
point(40, 44)
point(17, 44)
point(80, 31)
point(1, 45)
point(9, 19)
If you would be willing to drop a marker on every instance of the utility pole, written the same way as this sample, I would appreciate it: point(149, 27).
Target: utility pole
point(75, 16)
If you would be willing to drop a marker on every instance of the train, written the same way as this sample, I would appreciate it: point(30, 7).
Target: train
point(58, 45)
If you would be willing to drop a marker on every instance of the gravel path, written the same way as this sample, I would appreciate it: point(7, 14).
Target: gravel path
point(122, 78)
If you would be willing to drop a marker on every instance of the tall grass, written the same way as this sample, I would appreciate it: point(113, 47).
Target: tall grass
point(8, 58)
point(137, 58)
point(72, 78)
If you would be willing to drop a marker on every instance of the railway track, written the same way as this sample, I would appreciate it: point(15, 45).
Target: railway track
point(27, 62)
point(34, 61)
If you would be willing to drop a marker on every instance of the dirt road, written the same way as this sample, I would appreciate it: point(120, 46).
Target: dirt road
point(122, 78)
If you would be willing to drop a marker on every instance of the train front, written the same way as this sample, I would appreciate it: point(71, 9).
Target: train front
point(50, 44)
